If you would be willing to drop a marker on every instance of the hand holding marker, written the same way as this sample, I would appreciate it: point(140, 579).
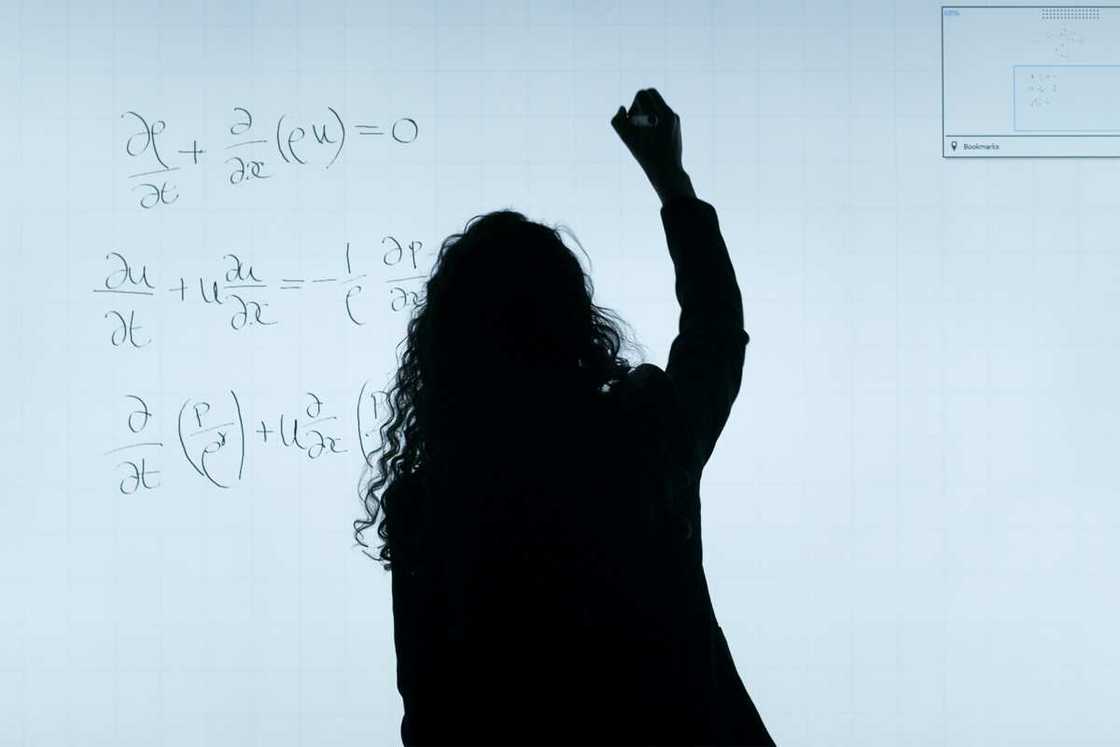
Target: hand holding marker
point(652, 133)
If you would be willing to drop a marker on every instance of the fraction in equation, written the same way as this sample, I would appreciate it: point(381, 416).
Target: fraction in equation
point(144, 147)
point(241, 289)
point(216, 436)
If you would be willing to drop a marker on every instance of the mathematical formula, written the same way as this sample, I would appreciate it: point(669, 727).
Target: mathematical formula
point(144, 148)
point(248, 295)
point(214, 437)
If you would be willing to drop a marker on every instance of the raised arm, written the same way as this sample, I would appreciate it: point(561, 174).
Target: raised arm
point(706, 358)
point(705, 364)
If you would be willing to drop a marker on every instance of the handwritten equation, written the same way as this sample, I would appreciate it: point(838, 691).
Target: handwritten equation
point(214, 437)
point(241, 289)
point(294, 148)
point(1040, 89)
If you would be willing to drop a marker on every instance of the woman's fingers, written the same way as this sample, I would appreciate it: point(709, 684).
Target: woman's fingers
point(637, 107)
point(621, 124)
point(659, 103)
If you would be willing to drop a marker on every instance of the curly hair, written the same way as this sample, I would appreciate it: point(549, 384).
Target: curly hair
point(506, 296)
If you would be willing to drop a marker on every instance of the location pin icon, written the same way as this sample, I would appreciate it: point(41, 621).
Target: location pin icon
point(954, 144)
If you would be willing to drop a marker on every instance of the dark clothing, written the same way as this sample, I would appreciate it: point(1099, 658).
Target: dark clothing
point(568, 603)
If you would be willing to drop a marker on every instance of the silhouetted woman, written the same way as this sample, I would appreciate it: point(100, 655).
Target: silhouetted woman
point(541, 505)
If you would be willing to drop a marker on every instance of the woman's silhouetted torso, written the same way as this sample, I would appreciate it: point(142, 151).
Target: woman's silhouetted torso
point(562, 599)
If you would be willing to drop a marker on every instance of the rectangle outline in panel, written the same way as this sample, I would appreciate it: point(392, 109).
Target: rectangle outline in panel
point(1015, 109)
point(1009, 7)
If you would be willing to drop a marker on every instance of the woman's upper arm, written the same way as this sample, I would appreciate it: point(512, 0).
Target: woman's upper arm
point(691, 399)
point(705, 371)
point(706, 358)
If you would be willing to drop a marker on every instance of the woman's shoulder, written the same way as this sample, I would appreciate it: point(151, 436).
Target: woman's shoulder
point(647, 399)
point(644, 378)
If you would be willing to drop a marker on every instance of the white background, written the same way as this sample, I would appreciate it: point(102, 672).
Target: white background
point(910, 522)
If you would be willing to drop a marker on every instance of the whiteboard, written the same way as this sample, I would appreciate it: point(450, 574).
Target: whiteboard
point(910, 520)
